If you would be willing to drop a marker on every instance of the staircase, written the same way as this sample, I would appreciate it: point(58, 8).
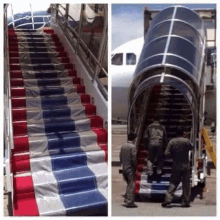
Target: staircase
point(174, 110)
point(60, 147)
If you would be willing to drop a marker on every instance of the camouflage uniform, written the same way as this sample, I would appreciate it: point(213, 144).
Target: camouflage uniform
point(128, 160)
point(178, 149)
point(155, 141)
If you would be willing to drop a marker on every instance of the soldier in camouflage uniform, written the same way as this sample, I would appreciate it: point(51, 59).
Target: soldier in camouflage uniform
point(155, 142)
point(178, 149)
point(128, 160)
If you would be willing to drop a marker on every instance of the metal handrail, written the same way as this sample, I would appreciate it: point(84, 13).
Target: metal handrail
point(8, 138)
point(82, 42)
point(79, 46)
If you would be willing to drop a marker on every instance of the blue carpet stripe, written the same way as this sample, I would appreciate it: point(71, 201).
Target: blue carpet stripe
point(48, 82)
point(53, 113)
point(53, 101)
point(51, 91)
point(43, 75)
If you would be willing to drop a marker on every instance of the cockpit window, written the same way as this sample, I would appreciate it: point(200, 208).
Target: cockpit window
point(117, 59)
point(130, 59)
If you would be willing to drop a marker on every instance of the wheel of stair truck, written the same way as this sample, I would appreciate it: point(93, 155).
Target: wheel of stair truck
point(167, 82)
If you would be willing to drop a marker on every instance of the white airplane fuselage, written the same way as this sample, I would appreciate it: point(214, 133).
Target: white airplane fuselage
point(122, 74)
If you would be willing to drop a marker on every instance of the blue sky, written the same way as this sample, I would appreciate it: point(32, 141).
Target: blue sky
point(127, 20)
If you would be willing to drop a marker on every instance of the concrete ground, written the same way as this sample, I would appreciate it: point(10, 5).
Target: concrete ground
point(199, 207)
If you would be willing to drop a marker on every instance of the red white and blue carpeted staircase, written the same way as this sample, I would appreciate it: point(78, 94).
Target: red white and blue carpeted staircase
point(60, 146)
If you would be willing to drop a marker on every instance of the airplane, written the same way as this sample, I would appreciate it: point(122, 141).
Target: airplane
point(123, 63)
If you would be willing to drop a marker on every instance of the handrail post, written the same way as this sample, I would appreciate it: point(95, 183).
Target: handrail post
point(80, 27)
point(102, 43)
point(32, 17)
point(57, 9)
point(67, 12)
point(12, 16)
point(66, 15)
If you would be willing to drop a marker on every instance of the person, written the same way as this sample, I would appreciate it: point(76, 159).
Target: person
point(155, 141)
point(128, 154)
point(178, 149)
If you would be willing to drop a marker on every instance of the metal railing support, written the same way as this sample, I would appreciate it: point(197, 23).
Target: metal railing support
point(209, 146)
point(104, 36)
point(80, 28)
point(67, 12)
point(32, 18)
point(12, 15)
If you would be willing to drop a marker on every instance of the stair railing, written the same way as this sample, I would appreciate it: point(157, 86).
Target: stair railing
point(80, 47)
point(8, 129)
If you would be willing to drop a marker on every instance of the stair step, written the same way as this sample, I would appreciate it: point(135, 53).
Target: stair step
point(34, 114)
point(52, 101)
point(21, 44)
point(71, 141)
point(46, 91)
point(68, 160)
point(37, 54)
point(45, 74)
point(37, 49)
point(43, 60)
point(42, 67)
point(52, 125)
point(64, 81)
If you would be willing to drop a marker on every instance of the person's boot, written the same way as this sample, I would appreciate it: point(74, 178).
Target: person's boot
point(166, 205)
point(131, 205)
point(184, 205)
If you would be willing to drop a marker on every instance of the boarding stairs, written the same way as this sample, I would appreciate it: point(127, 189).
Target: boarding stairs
point(60, 146)
point(174, 110)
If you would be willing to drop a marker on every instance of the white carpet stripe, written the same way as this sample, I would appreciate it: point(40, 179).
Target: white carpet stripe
point(46, 187)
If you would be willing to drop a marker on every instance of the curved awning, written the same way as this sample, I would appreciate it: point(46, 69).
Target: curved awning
point(176, 38)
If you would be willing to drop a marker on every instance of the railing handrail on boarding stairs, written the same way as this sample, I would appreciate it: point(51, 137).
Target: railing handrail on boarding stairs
point(79, 42)
point(8, 130)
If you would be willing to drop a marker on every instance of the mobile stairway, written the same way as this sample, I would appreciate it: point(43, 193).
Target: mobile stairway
point(169, 81)
point(59, 155)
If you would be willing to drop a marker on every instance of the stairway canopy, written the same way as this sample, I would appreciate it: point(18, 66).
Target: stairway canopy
point(174, 44)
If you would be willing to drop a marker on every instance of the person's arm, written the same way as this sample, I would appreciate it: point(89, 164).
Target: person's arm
point(120, 156)
point(146, 137)
point(168, 151)
point(164, 138)
point(134, 156)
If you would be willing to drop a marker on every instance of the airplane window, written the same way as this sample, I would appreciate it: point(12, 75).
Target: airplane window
point(130, 59)
point(117, 59)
